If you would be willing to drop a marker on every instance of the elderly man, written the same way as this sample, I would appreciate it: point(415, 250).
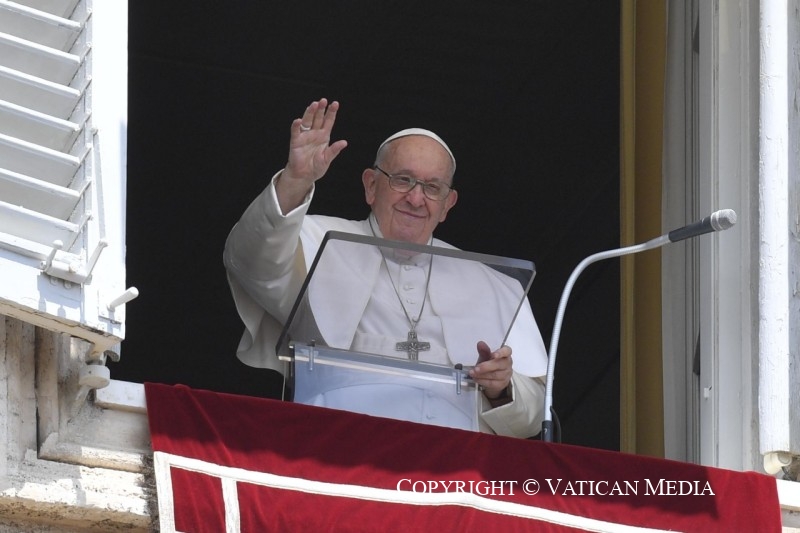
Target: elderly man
point(409, 191)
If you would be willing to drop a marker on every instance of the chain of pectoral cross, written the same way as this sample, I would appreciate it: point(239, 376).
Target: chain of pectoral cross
point(412, 345)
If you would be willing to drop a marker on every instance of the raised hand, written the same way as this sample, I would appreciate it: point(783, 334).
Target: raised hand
point(310, 153)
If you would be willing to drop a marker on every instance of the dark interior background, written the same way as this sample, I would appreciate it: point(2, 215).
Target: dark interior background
point(525, 93)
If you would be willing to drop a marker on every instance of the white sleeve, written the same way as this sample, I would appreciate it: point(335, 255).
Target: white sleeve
point(523, 415)
point(265, 269)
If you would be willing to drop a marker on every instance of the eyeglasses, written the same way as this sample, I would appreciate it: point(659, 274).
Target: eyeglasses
point(402, 183)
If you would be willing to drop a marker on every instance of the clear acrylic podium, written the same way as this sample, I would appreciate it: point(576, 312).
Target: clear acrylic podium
point(343, 357)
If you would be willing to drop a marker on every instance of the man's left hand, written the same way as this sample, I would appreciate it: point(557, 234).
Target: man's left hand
point(493, 372)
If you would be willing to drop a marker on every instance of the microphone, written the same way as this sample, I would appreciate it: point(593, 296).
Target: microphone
point(717, 221)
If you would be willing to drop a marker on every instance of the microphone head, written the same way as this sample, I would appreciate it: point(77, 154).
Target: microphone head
point(723, 219)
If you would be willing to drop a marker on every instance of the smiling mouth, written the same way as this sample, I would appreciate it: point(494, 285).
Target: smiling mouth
point(411, 214)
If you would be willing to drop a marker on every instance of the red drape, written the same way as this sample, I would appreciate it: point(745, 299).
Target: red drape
point(250, 464)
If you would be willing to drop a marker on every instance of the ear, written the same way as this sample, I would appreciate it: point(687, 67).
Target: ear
point(449, 202)
point(368, 178)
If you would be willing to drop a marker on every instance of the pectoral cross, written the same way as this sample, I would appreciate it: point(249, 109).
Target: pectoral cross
point(412, 346)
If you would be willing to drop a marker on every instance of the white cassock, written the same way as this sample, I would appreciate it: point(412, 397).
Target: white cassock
point(360, 310)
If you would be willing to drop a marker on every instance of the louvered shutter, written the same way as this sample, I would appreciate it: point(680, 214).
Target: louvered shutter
point(63, 127)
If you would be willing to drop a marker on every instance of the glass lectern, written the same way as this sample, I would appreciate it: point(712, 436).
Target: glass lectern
point(390, 329)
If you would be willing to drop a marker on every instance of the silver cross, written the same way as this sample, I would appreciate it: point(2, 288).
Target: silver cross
point(412, 346)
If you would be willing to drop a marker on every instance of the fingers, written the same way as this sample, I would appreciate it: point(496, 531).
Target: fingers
point(298, 127)
point(494, 369)
point(317, 116)
point(484, 352)
point(486, 355)
point(335, 149)
point(312, 132)
point(329, 117)
point(307, 122)
point(310, 153)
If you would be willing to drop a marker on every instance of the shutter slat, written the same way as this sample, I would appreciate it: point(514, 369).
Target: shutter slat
point(37, 60)
point(37, 195)
point(38, 162)
point(35, 227)
point(39, 26)
point(60, 8)
point(37, 94)
point(37, 128)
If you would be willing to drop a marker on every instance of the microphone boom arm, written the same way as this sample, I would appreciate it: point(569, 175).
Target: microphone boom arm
point(717, 221)
point(547, 424)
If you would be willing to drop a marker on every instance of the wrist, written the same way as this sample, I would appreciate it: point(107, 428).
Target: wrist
point(501, 398)
point(290, 192)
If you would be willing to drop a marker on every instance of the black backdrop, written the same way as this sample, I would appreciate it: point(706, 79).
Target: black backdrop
point(525, 93)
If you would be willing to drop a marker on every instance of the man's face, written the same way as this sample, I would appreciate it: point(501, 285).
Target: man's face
point(409, 216)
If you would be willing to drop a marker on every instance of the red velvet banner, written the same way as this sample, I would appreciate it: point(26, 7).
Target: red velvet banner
point(234, 463)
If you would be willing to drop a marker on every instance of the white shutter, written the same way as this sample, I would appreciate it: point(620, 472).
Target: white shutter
point(63, 124)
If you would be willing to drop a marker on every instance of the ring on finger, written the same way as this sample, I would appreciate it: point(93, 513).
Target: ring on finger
point(303, 127)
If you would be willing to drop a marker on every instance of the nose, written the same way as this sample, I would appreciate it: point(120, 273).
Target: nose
point(416, 196)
